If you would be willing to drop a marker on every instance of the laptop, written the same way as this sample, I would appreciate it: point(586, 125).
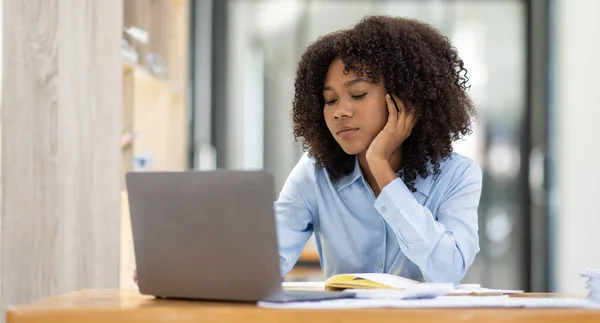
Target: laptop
point(209, 235)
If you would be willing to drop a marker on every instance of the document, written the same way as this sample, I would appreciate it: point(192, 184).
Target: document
point(367, 281)
point(470, 289)
point(402, 288)
point(502, 301)
point(318, 286)
point(415, 291)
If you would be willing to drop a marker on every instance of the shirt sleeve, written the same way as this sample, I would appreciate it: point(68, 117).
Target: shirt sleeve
point(442, 246)
point(294, 218)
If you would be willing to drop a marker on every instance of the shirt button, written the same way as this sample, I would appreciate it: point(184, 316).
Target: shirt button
point(383, 209)
point(379, 265)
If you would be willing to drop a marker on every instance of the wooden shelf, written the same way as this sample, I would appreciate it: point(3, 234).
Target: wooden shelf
point(155, 107)
point(167, 25)
point(145, 75)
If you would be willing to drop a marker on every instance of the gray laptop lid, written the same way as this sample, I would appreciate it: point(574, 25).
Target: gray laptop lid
point(205, 235)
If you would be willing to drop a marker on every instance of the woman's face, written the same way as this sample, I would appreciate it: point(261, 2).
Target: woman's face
point(355, 108)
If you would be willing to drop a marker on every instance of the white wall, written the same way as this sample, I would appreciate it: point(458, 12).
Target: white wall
point(577, 141)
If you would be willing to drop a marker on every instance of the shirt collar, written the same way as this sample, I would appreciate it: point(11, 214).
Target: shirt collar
point(423, 185)
point(346, 180)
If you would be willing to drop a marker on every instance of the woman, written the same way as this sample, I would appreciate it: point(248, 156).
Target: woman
point(379, 185)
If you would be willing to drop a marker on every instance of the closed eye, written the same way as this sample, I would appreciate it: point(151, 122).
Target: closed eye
point(330, 102)
point(360, 96)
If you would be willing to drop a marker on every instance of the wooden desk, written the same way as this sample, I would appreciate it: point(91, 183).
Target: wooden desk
point(129, 306)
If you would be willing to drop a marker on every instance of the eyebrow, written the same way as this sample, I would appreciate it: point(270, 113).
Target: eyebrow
point(347, 84)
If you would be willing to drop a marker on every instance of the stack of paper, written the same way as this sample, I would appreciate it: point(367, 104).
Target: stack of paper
point(593, 283)
point(414, 291)
point(370, 286)
point(475, 289)
point(316, 286)
point(440, 302)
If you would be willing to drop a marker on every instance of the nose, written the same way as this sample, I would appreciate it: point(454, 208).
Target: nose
point(343, 110)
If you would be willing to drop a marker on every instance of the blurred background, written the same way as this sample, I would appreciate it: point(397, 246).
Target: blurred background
point(244, 56)
point(208, 84)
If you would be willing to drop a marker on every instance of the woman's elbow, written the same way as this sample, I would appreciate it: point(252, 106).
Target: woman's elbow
point(450, 272)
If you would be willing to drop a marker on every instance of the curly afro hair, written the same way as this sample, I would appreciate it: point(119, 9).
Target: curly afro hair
point(416, 63)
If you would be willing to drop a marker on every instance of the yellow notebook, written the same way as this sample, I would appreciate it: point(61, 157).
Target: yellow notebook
point(367, 281)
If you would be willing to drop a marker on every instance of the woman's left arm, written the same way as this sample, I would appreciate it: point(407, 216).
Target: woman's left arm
point(443, 246)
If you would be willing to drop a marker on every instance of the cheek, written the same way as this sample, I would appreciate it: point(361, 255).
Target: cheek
point(327, 116)
point(326, 113)
point(379, 117)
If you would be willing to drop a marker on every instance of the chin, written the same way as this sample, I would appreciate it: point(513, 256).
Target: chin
point(352, 149)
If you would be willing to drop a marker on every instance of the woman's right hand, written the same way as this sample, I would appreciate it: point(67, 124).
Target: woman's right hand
point(135, 276)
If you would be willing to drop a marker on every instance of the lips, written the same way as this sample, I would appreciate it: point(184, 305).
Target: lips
point(345, 129)
point(346, 133)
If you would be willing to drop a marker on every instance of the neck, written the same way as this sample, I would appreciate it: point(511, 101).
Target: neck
point(395, 163)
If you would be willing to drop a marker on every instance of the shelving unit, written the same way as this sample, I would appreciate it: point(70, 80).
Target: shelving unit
point(155, 101)
point(155, 110)
point(155, 117)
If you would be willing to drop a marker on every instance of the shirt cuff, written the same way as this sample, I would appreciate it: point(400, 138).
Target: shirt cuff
point(392, 203)
point(393, 197)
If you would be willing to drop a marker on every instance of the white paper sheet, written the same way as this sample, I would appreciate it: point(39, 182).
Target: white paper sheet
point(503, 301)
point(431, 288)
point(320, 286)
point(478, 290)
point(415, 291)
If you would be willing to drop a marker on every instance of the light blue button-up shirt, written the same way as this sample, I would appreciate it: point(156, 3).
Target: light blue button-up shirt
point(429, 235)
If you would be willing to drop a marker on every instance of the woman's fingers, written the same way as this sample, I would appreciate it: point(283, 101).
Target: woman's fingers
point(404, 122)
point(409, 124)
point(400, 110)
point(392, 108)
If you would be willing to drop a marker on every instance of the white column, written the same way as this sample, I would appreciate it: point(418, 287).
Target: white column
point(60, 129)
point(577, 142)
